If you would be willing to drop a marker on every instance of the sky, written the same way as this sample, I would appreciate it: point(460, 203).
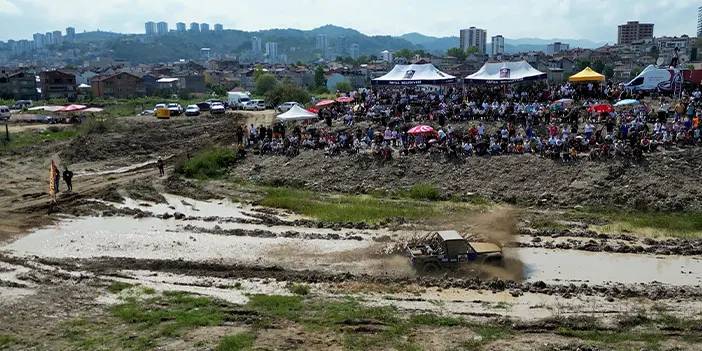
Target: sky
point(596, 20)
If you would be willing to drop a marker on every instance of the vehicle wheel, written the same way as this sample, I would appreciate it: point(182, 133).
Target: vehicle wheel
point(430, 268)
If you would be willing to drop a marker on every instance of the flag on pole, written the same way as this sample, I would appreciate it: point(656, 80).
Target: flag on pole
point(53, 175)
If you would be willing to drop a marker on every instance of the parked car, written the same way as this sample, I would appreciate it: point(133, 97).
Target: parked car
point(203, 106)
point(237, 100)
point(192, 110)
point(159, 107)
point(22, 104)
point(217, 109)
point(255, 105)
point(284, 107)
point(147, 112)
point(175, 109)
point(5, 113)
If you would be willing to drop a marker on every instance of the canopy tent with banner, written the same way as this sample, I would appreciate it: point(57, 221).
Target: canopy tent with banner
point(586, 75)
point(505, 73)
point(296, 113)
point(415, 74)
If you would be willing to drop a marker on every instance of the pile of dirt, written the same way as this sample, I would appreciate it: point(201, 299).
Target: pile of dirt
point(665, 181)
point(141, 141)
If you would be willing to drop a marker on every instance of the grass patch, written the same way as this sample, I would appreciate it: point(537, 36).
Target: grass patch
point(241, 341)
point(655, 224)
point(346, 208)
point(299, 289)
point(207, 164)
point(29, 138)
point(436, 321)
point(171, 313)
point(117, 287)
point(424, 192)
point(7, 340)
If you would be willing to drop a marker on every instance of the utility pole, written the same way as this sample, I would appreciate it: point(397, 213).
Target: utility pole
point(7, 132)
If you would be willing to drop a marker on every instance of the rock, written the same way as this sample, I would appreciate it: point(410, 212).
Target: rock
point(179, 216)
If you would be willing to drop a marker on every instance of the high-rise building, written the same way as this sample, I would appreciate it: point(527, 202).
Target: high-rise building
point(256, 44)
point(272, 51)
point(341, 45)
point(39, 40)
point(180, 27)
point(474, 38)
point(699, 22)
point(497, 45)
point(218, 27)
point(70, 34)
point(57, 37)
point(48, 38)
point(204, 27)
point(150, 28)
point(194, 27)
point(554, 48)
point(321, 42)
point(633, 31)
point(387, 56)
point(162, 28)
point(355, 51)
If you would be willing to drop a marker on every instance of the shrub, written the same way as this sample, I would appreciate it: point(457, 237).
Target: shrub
point(424, 192)
point(209, 163)
point(299, 289)
point(236, 342)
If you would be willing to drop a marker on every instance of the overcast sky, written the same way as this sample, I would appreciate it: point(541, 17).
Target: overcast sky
point(574, 19)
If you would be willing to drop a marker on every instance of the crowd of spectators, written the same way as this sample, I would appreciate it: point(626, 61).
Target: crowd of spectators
point(493, 121)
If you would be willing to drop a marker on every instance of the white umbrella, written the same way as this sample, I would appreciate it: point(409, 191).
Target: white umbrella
point(627, 102)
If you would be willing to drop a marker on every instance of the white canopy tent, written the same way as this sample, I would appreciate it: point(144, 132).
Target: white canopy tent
point(296, 113)
point(416, 74)
point(505, 73)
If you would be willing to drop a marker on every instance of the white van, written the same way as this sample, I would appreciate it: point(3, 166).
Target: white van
point(4, 113)
point(237, 99)
point(653, 78)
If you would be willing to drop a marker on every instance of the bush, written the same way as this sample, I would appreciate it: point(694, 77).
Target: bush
point(424, 192)
point(236, 342)
point(209, 163)
point(95, 126)
point(299, 289)
point(287, 92)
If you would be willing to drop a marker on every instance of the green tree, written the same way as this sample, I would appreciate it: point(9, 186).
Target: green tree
point(258, 71)
point(608, 71)
point(344, 87)
point(319, 79)
point(635, 72)
point(581, 64)
point(404, 53)
point(265, 83)
point(472, 50)
point(287, 91)
point(457, 53)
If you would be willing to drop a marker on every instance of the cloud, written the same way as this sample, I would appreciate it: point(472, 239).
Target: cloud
point(7, 7)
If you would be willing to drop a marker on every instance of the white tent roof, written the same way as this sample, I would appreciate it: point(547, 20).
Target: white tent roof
point(417, 74)
point(296, 113)
point(505, 73)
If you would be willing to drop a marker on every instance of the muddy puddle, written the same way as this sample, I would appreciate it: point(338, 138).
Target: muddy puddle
point(342, 250)
point(572, 266)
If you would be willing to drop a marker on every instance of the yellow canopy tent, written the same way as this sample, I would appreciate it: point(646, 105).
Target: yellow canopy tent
point(587, 75)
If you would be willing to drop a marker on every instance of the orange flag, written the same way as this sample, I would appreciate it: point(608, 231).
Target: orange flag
point(53, 171)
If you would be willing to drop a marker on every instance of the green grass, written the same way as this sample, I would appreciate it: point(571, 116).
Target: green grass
point(241, 341)
point(424, 192)
point(207, 164)
point(116, 287)
point(6, 340)
point(299, 289)
point(170, 314)
point(436, 321)
point(29, 138)
point(346, 208)
point(678, 224)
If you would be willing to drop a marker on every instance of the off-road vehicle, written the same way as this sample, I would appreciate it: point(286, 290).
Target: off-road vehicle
point(449, 250)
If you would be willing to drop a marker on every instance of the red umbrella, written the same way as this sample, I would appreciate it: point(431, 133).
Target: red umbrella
point(325, 103)
point(421, 129)
point(71, 108)
point(601, 108)
point(313, 110)
point(344, 99)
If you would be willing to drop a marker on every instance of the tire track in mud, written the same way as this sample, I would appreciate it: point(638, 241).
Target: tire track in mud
point(112, 265)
